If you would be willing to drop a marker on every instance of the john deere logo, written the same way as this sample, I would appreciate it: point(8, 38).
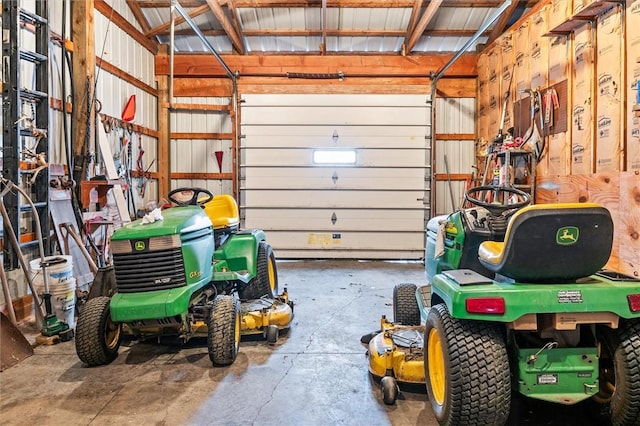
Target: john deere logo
point(139, 246)
point(567, 235)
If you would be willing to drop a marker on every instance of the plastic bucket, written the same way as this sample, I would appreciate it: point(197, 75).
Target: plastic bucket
point(62, 285)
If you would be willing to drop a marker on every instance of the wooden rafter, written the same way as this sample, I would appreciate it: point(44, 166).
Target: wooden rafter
point(164, 28)
point(501, 25)
point(413, 21)
point(386, 4)
point(235, 18)
point(428, 15)
point(331, 33)
point(226, 25)
point(137, 12)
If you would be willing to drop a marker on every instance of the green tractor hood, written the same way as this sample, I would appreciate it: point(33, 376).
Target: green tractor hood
point(160, 266)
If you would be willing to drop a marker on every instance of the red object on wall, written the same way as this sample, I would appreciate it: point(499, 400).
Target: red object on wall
point(129, 111)
point(219, 159)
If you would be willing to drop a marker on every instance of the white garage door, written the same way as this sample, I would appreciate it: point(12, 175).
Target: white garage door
point(337, 176)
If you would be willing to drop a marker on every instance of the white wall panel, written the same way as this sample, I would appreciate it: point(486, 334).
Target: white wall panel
point(373, 209)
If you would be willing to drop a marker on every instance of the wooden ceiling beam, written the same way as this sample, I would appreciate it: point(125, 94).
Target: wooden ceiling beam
point(332, 33)
point(502, 22)
point(164, 28)
point(199, 66)
point(139, 15)
point(235, 18)
point(226, 25)
point(415, 35)
point(106, 10)
point(387, 4)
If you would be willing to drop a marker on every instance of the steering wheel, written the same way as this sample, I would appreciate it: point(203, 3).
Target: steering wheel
point(189, 196)
point(497, 207)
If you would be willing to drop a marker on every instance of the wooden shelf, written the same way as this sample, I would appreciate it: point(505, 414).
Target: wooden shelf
point(102, 186)
point(588, 14)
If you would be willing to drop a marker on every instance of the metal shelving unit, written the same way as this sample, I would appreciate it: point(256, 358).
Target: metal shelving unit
point(25, 113)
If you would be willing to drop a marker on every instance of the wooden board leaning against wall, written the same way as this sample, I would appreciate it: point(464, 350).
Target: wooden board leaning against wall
point(592, 137)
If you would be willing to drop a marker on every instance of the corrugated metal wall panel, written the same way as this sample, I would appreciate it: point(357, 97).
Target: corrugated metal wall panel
point(454, 116)
point(199, 155)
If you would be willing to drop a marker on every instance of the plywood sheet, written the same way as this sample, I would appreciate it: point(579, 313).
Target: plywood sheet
point(619, 193)
point(609, 93)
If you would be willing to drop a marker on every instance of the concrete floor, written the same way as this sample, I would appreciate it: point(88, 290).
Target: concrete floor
point(315, 375)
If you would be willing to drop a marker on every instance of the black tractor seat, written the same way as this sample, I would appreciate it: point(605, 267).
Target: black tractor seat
point(551, 243)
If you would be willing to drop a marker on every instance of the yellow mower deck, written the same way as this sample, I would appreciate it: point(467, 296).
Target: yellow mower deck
point(397, 351)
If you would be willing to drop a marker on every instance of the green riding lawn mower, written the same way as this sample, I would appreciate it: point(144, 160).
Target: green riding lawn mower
point(190, 273)
point(516, 301)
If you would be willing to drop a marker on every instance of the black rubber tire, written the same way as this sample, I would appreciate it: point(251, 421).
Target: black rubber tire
point(405, 306)
point(97, 337)
point(272, 334)
point(620, 372)
point(223, 336)
point(265, 283)
point(389, 387)
point(467, 362)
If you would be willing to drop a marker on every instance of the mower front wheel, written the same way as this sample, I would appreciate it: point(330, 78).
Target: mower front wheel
point(97, 336)
point(620, 372)
point(405, 306)
point(265, 283)
point(466, 370)
point(389, 387)
point(223, 337)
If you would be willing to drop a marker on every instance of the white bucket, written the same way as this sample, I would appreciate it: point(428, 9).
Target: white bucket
point(62, 285)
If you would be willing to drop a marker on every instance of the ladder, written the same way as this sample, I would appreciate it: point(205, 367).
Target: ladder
point(25, 115)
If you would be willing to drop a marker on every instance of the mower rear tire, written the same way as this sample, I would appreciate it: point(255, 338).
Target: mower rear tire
point(466, 370)
point(97, 337)
point(265, 283)
point(389, 387)
point(223, 335)
point(620, 372)
point(405, 306)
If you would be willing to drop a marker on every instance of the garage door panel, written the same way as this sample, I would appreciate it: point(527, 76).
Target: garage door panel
point(342, 132)
point(351, 241)
point(337, 115)
point(320, 220)
point(277, 100)
point(374, 209)
point(304, 157)
point(333, 199)
point(333, 178)
point(326, 141)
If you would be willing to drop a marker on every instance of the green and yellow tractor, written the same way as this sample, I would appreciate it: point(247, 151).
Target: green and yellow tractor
point(191, 272)
point(516, 301)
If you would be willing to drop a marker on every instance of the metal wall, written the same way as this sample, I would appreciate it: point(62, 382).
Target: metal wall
point(198, 155)
point(454, 116)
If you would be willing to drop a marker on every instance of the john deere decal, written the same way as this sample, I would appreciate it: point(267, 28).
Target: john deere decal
point(567, 235)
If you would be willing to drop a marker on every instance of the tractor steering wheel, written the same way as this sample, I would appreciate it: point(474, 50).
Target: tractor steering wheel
point(500, 197)
point(189, 196)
